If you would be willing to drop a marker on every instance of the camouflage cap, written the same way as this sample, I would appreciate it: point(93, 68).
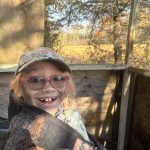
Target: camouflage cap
point(41, 54)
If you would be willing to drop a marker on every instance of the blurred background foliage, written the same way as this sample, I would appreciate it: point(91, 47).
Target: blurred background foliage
point(83, 31)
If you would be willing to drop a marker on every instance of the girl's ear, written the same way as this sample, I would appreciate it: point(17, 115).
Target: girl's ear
point(71, 89)
point(69, 101)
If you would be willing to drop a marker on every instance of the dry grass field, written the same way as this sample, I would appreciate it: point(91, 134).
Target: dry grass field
point(73, 54)
point(83, 54)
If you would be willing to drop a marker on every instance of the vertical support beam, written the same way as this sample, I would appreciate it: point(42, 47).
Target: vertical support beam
point(127, 76)
point(123, 110)
point(130, 110)
point(131, 28)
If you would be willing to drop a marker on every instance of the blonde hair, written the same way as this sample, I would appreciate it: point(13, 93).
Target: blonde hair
point(18, 91)
point(16, 87)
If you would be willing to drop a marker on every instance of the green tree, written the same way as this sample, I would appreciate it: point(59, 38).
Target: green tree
point(111, 16)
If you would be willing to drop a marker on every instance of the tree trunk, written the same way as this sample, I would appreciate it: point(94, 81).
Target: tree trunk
point(116, 33)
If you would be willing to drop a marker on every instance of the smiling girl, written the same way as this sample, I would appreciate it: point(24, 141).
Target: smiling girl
point(44, 91)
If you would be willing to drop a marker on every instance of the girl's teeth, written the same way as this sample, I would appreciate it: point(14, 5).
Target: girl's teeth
point(47, 99)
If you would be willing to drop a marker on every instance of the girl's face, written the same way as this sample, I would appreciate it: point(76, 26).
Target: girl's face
point(44, 86)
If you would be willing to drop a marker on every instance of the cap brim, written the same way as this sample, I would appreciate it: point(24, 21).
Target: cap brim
point(60, 65)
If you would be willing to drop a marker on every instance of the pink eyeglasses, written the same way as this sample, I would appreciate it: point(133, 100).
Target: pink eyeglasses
point(38, 82)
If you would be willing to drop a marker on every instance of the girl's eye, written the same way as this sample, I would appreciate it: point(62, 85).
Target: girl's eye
point(35, 79)
point(59, 78)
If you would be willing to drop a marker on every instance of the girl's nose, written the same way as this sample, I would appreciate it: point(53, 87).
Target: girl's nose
point(48, 86)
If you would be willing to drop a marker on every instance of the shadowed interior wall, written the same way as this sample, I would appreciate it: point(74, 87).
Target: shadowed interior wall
point(140, 129)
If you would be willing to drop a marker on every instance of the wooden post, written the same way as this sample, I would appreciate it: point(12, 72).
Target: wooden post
point(127, 77)
point(131, 28)
point(123, 110)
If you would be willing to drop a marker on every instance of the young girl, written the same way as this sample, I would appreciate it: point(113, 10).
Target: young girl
point(48, 117)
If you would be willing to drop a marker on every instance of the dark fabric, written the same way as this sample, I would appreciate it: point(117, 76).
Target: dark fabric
point(31, 127)
point(34, 127)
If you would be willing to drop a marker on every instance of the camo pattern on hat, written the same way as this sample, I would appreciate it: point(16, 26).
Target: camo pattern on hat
point(41, 54)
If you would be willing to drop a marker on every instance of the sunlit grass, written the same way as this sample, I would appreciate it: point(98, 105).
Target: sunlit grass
point(85, 54)
point(82, 54)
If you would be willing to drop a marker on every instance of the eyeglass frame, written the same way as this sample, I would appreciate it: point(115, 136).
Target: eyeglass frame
point(47, 79)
